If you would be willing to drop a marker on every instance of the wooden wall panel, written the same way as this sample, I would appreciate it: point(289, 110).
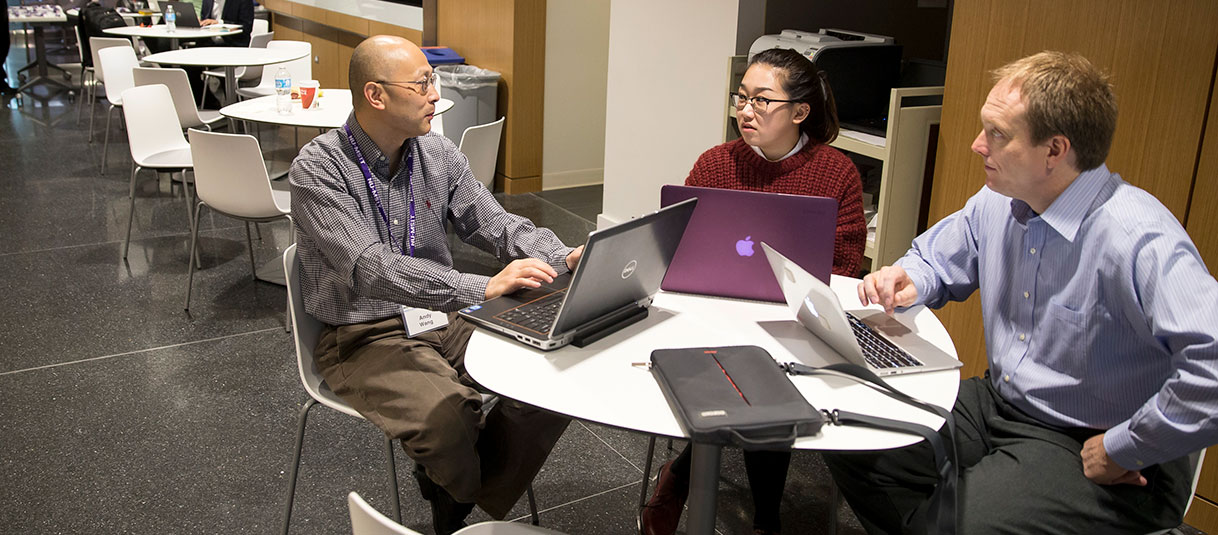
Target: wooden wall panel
point(1202, 222)
point(324, 41)
point(507, 37)
point(288, 29)
point(1162, 62)
point(379, 28)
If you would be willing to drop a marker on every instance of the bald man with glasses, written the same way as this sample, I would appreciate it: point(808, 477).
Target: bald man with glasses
point(371, 201)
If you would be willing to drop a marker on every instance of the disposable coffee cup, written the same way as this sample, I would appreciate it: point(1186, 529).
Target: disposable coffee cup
point(308, 93)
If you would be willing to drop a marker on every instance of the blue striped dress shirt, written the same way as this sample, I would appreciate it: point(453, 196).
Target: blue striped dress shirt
point(1099, 313)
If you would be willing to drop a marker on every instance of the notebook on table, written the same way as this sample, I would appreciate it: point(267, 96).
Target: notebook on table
point(876, 341)
point(719, 256)
point(185, 13)
point(619, 273)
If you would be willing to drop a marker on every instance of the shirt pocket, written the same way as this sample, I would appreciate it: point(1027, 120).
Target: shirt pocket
point(1065, 339)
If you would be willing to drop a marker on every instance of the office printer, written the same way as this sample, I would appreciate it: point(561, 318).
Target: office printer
point(862, 69)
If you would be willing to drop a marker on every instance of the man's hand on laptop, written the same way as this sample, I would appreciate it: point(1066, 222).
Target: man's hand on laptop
point(208, 22)
point(523, 273)
point(890, 287)
point(573, 258)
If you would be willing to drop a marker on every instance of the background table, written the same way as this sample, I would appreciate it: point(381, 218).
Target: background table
point(599, 383)
point(224, 56)
point(162, 32)
point(333, 108)
point(38, 17)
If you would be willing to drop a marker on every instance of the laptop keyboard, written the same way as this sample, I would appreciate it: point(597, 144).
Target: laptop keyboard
point(877, 350)
point(537, 315)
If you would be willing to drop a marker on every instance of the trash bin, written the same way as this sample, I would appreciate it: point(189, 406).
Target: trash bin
point(475, 94)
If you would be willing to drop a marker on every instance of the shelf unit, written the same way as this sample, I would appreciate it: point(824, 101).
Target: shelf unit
point(902, 153)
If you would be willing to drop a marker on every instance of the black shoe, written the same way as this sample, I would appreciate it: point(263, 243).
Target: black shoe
point(447, 514)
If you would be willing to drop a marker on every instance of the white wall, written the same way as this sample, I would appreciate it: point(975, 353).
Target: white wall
point(666, 99)
point(577, 57)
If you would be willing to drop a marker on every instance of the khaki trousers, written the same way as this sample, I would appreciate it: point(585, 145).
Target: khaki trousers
point(417, 390)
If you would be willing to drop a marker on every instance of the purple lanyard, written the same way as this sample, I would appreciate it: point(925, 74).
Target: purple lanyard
point(376, 197)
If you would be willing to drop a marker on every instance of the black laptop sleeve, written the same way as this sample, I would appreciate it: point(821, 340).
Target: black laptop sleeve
point(735, 395)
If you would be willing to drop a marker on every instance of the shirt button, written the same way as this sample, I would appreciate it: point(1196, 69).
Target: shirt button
point(1006, 378)
point(1032, 250)
point(395, 221)
point(1022, 337)
point(1025, 295)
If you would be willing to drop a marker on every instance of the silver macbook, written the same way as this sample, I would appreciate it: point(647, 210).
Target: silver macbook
point(876, 341)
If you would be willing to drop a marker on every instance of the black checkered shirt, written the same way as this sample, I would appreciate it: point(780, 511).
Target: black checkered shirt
point(351, 273)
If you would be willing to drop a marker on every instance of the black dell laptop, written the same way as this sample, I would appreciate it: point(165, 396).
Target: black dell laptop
point(612, 286)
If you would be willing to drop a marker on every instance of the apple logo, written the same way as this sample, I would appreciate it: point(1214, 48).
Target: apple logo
point(745, 247)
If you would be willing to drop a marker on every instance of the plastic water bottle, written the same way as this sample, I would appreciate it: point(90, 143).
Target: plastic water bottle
point(283, 90)
point(171, 19)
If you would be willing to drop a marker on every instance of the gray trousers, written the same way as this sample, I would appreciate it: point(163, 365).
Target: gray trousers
point(417, 390)
point(1017, 475)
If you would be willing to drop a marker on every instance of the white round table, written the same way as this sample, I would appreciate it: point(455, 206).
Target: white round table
point(161, 31)
point(601, 383)
point(225, 56)
point(332, 110)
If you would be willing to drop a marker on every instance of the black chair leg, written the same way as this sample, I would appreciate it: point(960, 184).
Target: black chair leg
point(533, 507)
point(295, 468)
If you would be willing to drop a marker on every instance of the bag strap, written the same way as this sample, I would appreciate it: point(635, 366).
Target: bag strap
point(783, 441)
point(942, 510)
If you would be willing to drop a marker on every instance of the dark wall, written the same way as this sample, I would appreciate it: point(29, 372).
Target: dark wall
point(922, 30)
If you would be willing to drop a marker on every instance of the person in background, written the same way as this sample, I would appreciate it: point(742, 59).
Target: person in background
point(228, 12)
point(371, 201)
point(1100, 325)
point(787, 118)
point(5, 43)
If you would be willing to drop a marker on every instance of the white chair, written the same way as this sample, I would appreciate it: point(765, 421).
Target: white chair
point(300, 69)
point(245, 75)
point(155, 138)
point(437, 121)
point(97, 73)
point(183, 100)
point(231, 179)
point(306, 330)
point(117, 63)
point(368, 521)
point(481, 146)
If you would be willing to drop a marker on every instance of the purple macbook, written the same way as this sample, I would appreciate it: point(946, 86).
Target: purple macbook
point(721, 255)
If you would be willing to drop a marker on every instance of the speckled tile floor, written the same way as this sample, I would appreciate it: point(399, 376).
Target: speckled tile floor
point(121, 413)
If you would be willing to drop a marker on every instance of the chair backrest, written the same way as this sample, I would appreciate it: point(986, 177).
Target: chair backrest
point(481, 146)
point(118, 62)
point(368, 521)
point(152, 124)
point(98, 43)
point(179, 90)
point(257, 40)
point(230, 175)
point(301, 69)
point(437, 121)
point(306, 330)
point(260, 26)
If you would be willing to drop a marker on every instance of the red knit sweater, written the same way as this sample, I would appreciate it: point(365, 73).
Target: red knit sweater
point(816, 169)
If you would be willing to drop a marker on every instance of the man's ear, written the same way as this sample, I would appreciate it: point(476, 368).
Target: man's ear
point(374, 94)
point(1059, 152)
point(802, 110)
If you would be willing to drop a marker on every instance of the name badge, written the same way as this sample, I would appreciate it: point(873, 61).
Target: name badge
point(421, 320)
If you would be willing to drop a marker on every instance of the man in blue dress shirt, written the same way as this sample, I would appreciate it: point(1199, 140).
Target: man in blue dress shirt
point(1100, 322)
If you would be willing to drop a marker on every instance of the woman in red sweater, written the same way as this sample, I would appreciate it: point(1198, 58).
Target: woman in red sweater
point(787, 117)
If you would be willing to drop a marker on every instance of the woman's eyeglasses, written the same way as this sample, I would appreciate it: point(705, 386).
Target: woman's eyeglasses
point(760, 104)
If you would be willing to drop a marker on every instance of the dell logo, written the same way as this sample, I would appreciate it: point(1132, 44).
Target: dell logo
point(629, 269)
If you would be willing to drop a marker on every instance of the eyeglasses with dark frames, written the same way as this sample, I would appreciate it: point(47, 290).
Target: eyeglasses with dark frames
point(760, 104)
point(423, 84)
